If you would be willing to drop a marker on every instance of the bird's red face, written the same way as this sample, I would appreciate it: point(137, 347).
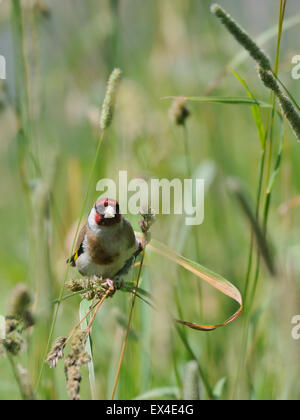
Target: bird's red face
point(107, 212)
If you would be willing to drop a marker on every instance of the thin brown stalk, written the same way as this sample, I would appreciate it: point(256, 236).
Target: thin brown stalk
point(78, 325)
point(96, 310)
point(128, 328)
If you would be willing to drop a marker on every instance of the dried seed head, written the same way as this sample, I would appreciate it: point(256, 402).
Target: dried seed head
point(74, 360)
point(13, 342)
point(77, 285)
point(28, 319)
point(74, 377)
point(11, 324)
point(56, 352)
point(94, 287)
point(110, 98)
point(20, 300)
point(241, 36)
point(178, 111)
point(19, 319)
point(148, 218)
point(78, 344)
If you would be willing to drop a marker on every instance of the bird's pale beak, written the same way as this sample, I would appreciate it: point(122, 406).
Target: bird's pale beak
point(109, 212)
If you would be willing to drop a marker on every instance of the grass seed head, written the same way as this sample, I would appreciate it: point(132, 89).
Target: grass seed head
point(148, 218)
point(77, 285)
point(13, 342)
point(57, 352)
point(110, 98)
point(73, 362)
point(20, 300)
point(291, 113)
point(74, 377)
point(19, 319)
point(241, 36)
point(179, 112)
point(191, 386)
point(269, 80)
point(91, 288)
point(288, 108)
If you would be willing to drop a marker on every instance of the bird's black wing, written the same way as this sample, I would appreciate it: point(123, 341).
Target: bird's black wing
point(78, 247)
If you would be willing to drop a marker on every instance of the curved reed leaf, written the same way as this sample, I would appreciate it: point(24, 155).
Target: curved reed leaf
point(215, 280)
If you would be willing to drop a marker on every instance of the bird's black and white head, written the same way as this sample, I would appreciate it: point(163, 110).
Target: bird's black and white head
point(106, 212)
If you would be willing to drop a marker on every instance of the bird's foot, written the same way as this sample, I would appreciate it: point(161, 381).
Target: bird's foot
point(109, 283)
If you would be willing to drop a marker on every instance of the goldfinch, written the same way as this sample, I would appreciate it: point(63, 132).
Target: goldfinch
point(106, 245)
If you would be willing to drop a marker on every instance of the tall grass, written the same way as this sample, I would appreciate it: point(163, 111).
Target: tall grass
point(105, 121)
point(182, 50)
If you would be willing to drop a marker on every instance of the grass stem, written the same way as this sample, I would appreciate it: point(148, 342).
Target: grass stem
point(127, 329)
point(71, 253)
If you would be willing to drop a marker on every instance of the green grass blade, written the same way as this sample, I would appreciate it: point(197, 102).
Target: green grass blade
point(236, 188)
point(219, 387)
point(255, 111)
point(203, 375)
point(228, 100)
point(83, 310)
point(279, 157)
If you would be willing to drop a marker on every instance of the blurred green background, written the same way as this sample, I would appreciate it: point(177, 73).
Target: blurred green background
point(164, 48)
